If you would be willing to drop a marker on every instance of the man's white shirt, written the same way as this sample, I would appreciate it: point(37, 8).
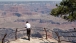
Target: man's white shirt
point(27, 25)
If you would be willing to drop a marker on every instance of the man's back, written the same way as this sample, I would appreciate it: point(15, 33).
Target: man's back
point(28, 25)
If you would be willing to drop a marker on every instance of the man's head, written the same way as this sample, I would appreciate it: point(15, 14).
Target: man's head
point(27, 22)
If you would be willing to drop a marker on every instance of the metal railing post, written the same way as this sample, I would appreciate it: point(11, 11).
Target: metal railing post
point(45, 32)
point(4, 38)
point(58, 37)
point(16, 34)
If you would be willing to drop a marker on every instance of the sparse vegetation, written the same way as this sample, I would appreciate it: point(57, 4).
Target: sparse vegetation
point(17, 14)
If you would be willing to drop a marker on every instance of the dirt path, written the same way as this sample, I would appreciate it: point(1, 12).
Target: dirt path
point(34, 40)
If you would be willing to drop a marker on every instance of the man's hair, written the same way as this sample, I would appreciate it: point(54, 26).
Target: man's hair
point(27, 22)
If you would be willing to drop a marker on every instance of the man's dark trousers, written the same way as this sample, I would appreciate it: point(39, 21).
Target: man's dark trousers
point(28, 33)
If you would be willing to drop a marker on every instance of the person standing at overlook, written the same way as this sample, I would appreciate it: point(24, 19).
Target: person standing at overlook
point(28, 27)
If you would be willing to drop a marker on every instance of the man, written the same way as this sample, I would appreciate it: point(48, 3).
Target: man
point(28, 26)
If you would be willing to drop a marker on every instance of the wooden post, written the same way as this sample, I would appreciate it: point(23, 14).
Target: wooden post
point(4, 38)
point(58, 37)
point(74, 29)
point(16, 34)
point(45, 32)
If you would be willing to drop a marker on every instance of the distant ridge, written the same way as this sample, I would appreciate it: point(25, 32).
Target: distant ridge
point(30, 1)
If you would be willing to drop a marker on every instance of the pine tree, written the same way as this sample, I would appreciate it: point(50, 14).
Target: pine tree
point(66, 8)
